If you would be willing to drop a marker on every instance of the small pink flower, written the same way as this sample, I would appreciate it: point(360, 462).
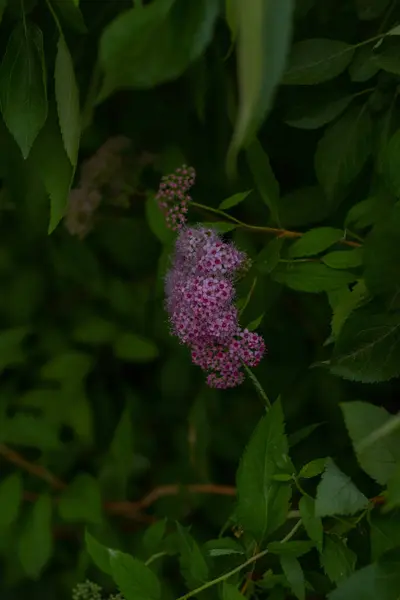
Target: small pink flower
point(199, 299)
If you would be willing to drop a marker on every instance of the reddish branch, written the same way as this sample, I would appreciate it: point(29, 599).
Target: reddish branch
point(129, 510)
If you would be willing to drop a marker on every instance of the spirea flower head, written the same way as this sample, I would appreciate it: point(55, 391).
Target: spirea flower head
point(200, 301)
point(173, 197)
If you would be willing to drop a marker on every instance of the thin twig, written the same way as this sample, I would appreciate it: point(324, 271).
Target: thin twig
point(284, 233)
point(32, 468)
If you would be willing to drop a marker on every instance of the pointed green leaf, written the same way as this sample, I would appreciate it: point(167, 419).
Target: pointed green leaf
point(312, 523)
point(345, 259)
point(264, 178)
point(378, 457)
point(313, 468)
point(337, 560)
point(35, 543)
point(134, 579)
point(269, 257)
point(343, 150)
point(67, 97)
point(153, 536)
point(315, 241)
point(23, 95)
point(81, 501)
point(311, 277)
point(295, 549)
point(231, 592)
point(294, 574)
point(317, 60)
point(378, 580)
point(146, 47)
point(337, 494)
point(316, 110)
point(135, 348)
point(385, 532)
point(193, 564)
point(263, 502)
point(368, 347)
point(52, 164)
point(10, 500)
point(264, 34)
point(99, 554)
point(234, 200)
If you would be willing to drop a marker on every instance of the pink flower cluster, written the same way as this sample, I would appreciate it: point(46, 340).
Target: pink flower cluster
point(200, 294)
point(173, 198)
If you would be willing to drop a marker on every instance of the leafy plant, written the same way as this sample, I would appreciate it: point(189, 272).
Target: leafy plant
point(123, 474)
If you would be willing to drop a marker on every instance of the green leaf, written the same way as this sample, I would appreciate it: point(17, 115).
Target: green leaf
point(67, 367)
point(134, 579)
point(234, 200)
point(94, 330)
point(71, 14)
point(231, 592)
point(122, 446)
point(263, 503)
point(313, 468)
point(295, 549)
point(373, 210)
point(10, 346)
point(393, 489)
point(379, 456)
point(344, 259)
point(316, 110)
point(312, 523)
point(368, 347)
point(52, 164)
point(315, 241)
point(311, 277)
point(264, 178)
point(256, 323)
point(23, 95)
point(304, 206)
point(347, 302)
point(317, 60)
point(154, 535)
point(3, 5)
point(135, 348)
point(378, 580)
point(269, 257)
point(30, 431)
point(337, 560)
point(382, 258)
point(67, 97)
point(223, 547)
point(337, 494)
point(156, 221)
point(81, 501)
point(363, 66)
point(220, 226)
point(343, 150)
point(192, 562)
point(99, 554)
point(388, 56)
point(302, 434)
point(294, 574)
point(390, 161)
point(143, 48)
point(35, 543)
point(10, 500)
point(385, 533)
point(264, 34)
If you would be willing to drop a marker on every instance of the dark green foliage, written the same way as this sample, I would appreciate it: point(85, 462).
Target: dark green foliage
point(122, 476)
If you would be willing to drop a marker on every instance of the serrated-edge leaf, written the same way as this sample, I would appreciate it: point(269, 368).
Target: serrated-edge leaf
point(98, 552)
point(315, 241)
point(337, 494)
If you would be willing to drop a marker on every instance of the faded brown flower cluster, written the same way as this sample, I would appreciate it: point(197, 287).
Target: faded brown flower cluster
point(102, 177)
